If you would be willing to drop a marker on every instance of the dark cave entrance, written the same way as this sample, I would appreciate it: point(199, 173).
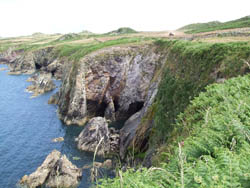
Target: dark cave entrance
point(96, 109)
point(38, 67)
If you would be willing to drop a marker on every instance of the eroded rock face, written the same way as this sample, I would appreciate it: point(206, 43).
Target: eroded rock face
point(29, 62)
point(56, 171)
point(96, 133)
point(41, 83)
point(111, 83)
point(135, 132)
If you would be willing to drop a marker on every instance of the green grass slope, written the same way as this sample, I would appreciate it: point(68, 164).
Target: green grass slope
point(212, 147)
point(215, 25)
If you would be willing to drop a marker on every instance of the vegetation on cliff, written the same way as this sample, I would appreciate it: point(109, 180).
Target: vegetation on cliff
point(198, 132)
point(212, 143)
point(215, 25)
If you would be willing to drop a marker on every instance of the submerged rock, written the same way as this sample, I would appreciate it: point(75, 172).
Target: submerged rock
point(97, 134)
point(41, 83)
point(56, 171)
point(53, 99)
point(3, 69)
point(59, 139)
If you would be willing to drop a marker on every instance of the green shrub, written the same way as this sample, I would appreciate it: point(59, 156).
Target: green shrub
point(212, 147)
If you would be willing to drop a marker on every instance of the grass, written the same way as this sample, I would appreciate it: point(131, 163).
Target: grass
point(212, 26)
point(77, 51)
point(123, 30)
point(212, 147)
point(190, 67)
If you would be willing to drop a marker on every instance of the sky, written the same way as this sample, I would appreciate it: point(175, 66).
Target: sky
point(24, 17)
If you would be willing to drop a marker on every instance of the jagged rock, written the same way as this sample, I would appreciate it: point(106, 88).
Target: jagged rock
point(56, 171)
point(111, 83)
point(110, 111)
point(135, 133)
point(107, 164)
point(59, 139)
point(53, 99)
point(30, 62)
point(97, 171)
point(41, 83)
point(96, 132)
point(23, 64)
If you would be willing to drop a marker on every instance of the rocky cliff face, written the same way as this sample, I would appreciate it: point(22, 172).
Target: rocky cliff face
point(112, 82)
point(21, 62)
point(118, 83)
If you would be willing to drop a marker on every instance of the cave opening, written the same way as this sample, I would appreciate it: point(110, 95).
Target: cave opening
point(38, 67)
point(53, 72)
point(94, 108)
point(124, 115)
point(135, 107)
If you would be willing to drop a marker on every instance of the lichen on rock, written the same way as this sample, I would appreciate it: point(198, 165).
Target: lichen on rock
point(56, 171)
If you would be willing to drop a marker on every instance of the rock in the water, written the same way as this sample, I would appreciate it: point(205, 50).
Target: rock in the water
point(3, 69)
point(56, 171)
point(53, 99)
point(41, 84)
point(59, 139)
point(97, 133)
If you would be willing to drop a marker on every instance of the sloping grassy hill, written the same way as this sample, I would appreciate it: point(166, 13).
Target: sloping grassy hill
point(197, 142)
point(213, 144)
point(215, 25)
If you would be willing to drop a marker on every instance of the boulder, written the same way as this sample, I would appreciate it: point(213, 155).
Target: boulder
point(56, 171)
point(41, 83)
point(96, 133)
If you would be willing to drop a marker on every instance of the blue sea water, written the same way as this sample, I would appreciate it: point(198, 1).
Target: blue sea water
point(27, 127)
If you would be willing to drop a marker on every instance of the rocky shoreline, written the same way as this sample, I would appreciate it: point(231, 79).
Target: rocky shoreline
point(107, 86)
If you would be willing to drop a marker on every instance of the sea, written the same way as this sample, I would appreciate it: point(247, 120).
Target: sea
point(27, 127)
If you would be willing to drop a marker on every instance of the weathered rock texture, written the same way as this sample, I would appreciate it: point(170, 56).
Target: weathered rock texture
point(112, 82)
point(56, 171)
point(135, 132)
point(32, 61)
point(118, 83)
point(97, 134)
point(41, 83)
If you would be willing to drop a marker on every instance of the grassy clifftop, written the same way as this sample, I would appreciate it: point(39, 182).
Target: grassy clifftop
point(212, 26)
point(212, 146)
point(198, 138)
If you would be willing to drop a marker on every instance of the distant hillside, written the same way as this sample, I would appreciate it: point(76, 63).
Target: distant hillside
point(123, 30)
point(215, 25)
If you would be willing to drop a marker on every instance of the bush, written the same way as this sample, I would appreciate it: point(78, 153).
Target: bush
point(212, 145)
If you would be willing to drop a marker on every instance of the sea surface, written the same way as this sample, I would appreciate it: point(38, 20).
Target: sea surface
point(27, 127)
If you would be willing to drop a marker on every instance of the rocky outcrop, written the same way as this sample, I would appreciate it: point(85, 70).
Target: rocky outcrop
point(96, 136)
point(111, 83)
point(29, 62)
point(56, 171)
point(41, 83)
point(22, 65)
point(135, 132)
